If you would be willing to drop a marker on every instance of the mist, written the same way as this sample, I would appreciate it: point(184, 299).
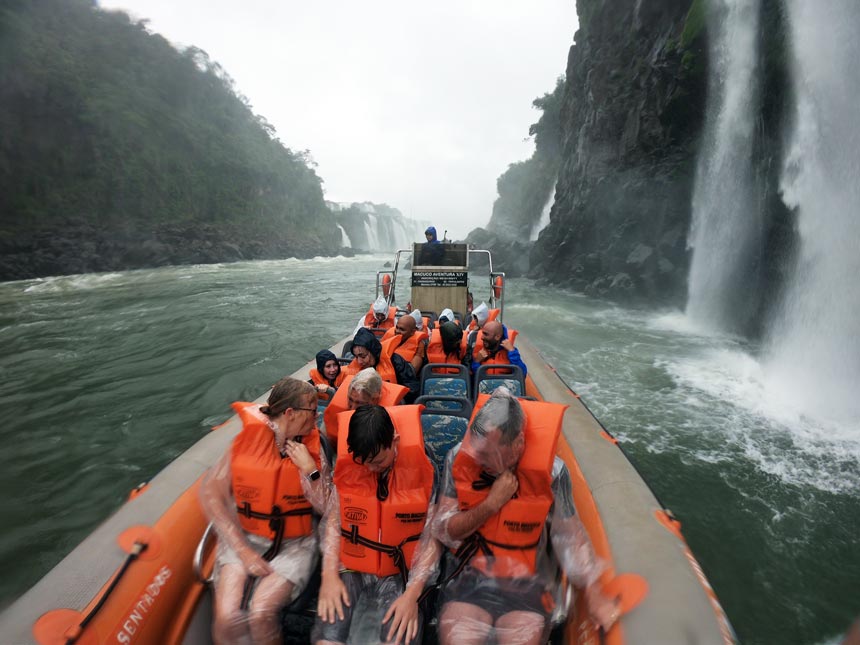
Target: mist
point(420, 107)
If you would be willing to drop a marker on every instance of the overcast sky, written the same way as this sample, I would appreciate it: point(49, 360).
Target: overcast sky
point(417, 105)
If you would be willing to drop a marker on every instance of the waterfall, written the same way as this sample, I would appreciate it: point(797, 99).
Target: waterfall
point(404, 239)
point(813, 357)
point(372, 228)
point(725, 231)
point(544, 217)
point(344, 238)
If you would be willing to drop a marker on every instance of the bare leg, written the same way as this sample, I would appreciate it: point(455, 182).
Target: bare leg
point(264, 614)
point(520, 628)
point(230, 625)
point(464, 624)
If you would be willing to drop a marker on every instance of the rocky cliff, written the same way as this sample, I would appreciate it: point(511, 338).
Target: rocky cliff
point(631, 115)
point(631, 122)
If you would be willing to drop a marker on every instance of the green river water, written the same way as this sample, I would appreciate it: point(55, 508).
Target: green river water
point(108, 377)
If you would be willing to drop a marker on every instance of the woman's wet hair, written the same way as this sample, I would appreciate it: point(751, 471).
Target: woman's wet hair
point(367, 381)
point(452, 335)
point(288, 393)
point(502, 411)
point(370, 430)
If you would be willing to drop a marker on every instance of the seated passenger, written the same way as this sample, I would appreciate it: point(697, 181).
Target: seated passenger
point(365, 388)
point(409, 343)
point(369, 352)
point(446, 344)
point(480, 315)
point(376, 542)
point(260, 552)
point(327, 376)
point(504, 584)
point(495, 347)
point(379, 317)
point(447, 316)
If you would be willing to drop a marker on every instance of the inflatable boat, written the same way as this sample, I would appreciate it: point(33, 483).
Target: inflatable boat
point(144, 575)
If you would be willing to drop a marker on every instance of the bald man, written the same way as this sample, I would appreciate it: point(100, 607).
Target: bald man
point(495, 347)
point(412, 344)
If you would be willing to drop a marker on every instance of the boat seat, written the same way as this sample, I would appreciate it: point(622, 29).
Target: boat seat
point(444, 421)
point(489, 377)
point(347, 351)
point(345, 360)
point(445, 379)
point(379, 333)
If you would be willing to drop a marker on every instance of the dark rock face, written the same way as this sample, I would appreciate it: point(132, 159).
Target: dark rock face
point(631, 116)
point(632, 120)
point(509, 255)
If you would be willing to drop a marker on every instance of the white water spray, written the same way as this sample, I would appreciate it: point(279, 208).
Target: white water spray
point(813, 360)
point(543, 222)
point(725, 229)
point(344, 238)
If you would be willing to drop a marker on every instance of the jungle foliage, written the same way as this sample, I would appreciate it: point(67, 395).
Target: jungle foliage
point(104, 122)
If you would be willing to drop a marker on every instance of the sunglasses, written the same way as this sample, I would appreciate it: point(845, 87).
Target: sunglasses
point(314, 410)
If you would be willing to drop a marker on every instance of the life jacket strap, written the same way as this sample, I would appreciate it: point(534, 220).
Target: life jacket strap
point(244, 510)
point(395, 552)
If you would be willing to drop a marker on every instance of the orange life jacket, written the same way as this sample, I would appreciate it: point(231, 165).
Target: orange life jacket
point(267, 487)
point(492, 314)
point(500, 357)
point(383, 365)
point(391, 394)
point(319, 379)
point(380, 537)
point(371, 323)
point(506, 545)
point(436, 351)
point(406, 348)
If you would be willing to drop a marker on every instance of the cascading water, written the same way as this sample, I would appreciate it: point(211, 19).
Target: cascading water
point(372, 228)
point(544, 217)
point(813, 357)
point(725, 229)
point(344, 238)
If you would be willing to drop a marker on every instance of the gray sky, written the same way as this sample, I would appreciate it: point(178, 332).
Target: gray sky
point(417, 105)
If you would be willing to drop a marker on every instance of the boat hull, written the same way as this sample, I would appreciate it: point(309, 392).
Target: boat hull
point(629, 528)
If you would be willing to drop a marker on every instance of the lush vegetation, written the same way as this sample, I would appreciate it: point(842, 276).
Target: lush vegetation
point(104, 122)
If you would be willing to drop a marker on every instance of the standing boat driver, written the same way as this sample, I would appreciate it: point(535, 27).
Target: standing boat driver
point(495, 347)
point(376, 542)
point(261, 496)
point(504, 492)
point(432, 251)
point(369, 352)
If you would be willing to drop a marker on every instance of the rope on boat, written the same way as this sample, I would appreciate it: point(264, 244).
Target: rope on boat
point(136, 549)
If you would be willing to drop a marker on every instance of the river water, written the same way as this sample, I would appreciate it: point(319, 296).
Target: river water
point(108, 377)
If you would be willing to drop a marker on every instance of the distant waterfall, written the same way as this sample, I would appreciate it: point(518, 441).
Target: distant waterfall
point(725, 229)
point(344, 238)
point(814, 346)
point(372, 227)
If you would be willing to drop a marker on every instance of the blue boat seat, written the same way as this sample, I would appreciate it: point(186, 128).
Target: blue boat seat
point(445, 379)
point(444, 422)
point(489, 377)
